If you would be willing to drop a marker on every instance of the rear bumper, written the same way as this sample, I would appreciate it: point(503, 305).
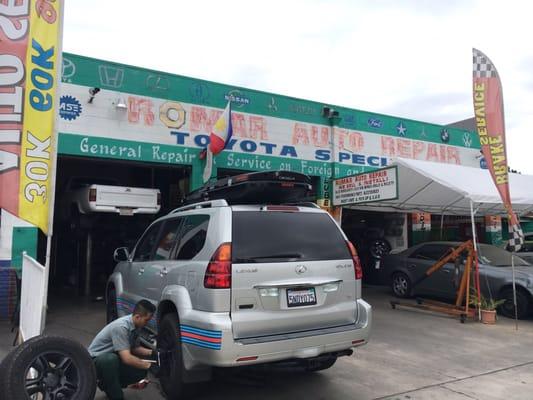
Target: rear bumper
point(212, 343)
point(94, 208)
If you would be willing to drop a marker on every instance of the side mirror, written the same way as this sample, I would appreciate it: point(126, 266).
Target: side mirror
point(121, 254)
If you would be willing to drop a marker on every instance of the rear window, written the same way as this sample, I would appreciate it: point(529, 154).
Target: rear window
point(432, 252)
point(263, 236)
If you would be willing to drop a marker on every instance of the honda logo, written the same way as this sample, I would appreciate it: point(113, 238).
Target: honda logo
point(300, 269)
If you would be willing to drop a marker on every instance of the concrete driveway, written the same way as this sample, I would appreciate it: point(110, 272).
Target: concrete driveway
point(411, 355)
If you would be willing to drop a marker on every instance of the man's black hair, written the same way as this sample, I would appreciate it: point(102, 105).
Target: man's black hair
point(143, 308)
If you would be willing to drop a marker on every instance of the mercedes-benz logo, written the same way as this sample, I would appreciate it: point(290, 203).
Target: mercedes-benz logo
point(300, 269)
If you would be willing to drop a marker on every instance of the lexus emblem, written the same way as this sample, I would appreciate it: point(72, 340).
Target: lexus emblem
point(300, 269)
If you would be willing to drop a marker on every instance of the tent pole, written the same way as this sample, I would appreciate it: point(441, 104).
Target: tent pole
point(474, 238)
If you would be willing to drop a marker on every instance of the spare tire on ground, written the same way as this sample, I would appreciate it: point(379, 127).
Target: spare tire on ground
point(50, 367)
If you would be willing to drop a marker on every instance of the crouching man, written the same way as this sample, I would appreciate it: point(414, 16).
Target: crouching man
point(117, 354)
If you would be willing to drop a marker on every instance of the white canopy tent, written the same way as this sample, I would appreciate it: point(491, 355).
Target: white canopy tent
point(454, 190)
point(451, 190)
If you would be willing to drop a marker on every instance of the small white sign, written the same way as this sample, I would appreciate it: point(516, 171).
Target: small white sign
point(367, 187)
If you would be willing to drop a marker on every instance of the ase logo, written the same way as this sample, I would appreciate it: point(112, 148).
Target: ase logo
point(69, 108)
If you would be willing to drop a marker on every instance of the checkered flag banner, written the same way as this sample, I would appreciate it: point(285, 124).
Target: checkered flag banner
point(516, 237)
point(482, 66)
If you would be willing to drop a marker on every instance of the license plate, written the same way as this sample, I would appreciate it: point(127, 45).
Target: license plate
point(301, 297)
point(125, 211)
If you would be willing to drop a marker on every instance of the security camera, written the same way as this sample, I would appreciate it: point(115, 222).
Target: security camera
point(93, 91)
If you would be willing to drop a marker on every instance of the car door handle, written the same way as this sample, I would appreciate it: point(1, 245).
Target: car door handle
point(447, 271)
point(141, 271)
point(163, 272)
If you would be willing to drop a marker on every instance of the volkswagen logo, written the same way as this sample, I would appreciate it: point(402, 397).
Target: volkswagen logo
point(300, 269)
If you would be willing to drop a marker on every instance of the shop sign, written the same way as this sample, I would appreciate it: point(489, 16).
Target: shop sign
point(366, 187)
point(103, 147)
point(421, 222)
point(161, 121)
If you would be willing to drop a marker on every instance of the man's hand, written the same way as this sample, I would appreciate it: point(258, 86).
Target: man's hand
point(129, 359)
point(143, 352)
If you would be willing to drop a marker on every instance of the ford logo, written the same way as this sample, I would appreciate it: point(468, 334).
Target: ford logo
point(300, 269)
point(375, 123)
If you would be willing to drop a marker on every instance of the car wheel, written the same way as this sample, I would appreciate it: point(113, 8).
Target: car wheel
point(379, 248)
point(522, 303)
point(320, 365)
point(169, 345)
point(111, 305)
point(49, 367)
point(401, 285)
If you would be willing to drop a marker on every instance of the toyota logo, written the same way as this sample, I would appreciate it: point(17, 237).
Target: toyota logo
point(300, 269)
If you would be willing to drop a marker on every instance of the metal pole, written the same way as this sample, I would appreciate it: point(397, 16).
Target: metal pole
point(88, 264)
point(514, 293)
point(441, 225)
point(55, 137)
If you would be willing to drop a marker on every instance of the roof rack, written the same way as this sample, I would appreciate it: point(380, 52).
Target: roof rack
point(202, 204)
point(273, 187)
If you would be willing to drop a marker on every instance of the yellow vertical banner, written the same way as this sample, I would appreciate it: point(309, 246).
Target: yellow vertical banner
point(38, 142)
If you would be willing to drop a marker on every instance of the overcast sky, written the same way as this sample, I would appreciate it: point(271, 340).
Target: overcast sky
point(409, 58)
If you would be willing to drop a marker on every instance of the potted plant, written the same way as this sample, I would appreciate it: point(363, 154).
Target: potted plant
point(488, 307)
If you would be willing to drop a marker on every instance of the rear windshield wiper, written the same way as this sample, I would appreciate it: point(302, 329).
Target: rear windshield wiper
point(245, 260)
point(284, 255)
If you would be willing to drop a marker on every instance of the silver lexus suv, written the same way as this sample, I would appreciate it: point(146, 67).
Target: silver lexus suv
point(243, 284)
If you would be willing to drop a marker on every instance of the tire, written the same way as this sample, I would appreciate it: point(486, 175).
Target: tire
point(320, 365)
point(169, 343)
point(379, 248)
point(3, 366)
point(523, 303)
point(401, 285)
point(111, 305)
point(63, 367)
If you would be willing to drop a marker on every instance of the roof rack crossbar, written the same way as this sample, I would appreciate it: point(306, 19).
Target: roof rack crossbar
point(202, 204)
point(303, 204)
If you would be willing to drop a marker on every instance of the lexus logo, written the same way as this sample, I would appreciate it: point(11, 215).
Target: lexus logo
point(300, 269)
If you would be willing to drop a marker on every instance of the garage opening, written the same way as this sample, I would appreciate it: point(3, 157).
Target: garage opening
point(84, 242)
point(374, 235)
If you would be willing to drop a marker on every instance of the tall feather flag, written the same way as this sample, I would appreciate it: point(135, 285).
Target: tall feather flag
point(490, 122)
point(219, 137)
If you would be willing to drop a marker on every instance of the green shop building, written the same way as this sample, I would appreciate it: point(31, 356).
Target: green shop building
point(129, 126)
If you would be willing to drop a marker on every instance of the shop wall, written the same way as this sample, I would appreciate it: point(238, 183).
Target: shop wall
point(167, 119)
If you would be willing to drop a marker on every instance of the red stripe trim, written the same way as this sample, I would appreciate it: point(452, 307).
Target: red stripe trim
point(200, 337)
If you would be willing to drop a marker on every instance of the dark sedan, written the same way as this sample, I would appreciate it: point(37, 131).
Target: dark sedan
point(402, 269)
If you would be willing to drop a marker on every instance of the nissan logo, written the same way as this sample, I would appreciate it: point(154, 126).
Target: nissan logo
point(300, 269)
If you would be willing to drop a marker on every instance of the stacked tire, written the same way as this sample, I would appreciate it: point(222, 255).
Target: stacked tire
point(48, 367)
